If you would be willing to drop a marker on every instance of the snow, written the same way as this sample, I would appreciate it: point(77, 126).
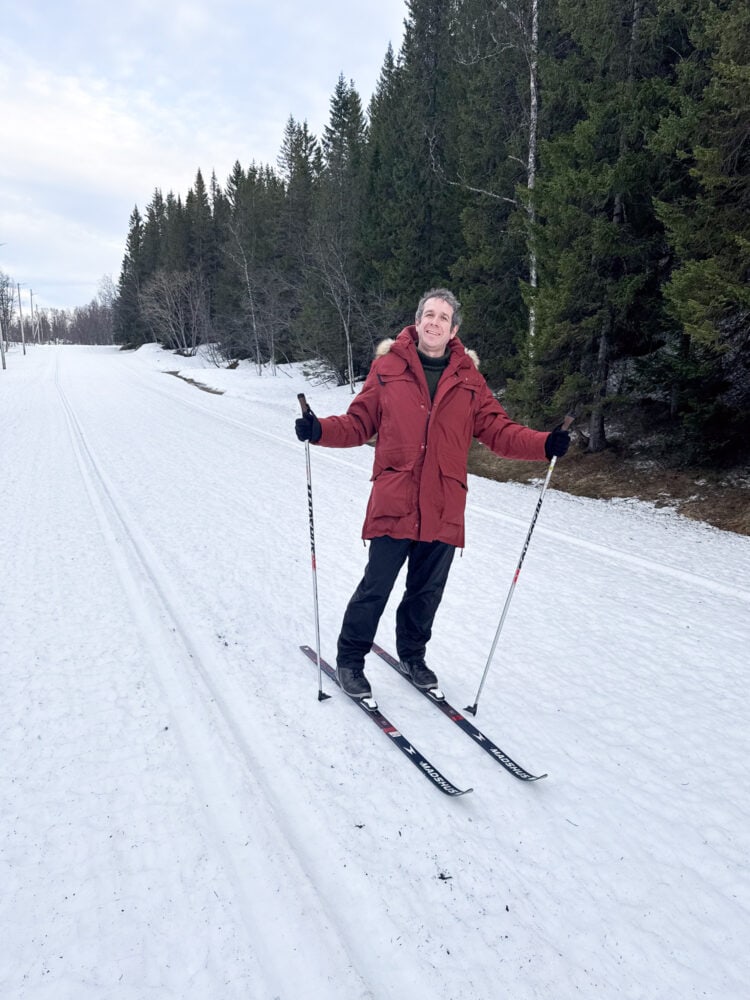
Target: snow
point(182, 818)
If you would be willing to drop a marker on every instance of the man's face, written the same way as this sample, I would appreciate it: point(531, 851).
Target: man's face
point(435, 329)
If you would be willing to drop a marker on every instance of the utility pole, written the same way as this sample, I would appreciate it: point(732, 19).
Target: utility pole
point(31, 317)
point(2, 328)
point(20, 317)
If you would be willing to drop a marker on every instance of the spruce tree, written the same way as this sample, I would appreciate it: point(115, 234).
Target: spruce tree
point(153, 249)
point(380, 214)
point(707, 218)
point(336, 322)
point(259, 289)
point(176, 249)
point(300, 164)
point(414, 217)
point(203, 251)
point(600, 242)
point(129, 325)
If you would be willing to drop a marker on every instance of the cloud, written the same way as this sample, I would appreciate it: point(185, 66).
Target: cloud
point(87, 153)
point(101, 105)
point(70, 256)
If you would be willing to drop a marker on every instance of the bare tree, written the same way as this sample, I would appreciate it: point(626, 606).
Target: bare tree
point(330, 262)
point(106, 296)
point(175, 306)
point(59, 322)
point(7, 305)
point(245, 264)
point(91, 324)
point(266, 297)
point(44, 330)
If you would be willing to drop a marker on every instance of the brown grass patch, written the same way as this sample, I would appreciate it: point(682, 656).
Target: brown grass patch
point(198, 385)
point(703, 496)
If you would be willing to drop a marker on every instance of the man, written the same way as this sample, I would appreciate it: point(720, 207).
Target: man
point(426, 400)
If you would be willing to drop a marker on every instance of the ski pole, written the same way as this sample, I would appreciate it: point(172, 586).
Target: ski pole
point(305, 410)
point(473, 708)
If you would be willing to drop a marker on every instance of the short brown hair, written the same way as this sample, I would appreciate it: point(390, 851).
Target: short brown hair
point(446, 296)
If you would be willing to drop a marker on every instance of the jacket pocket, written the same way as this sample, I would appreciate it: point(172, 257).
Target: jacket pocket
point(455, 489)
point(394, 493)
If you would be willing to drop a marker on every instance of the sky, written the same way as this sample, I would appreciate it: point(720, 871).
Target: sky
point(103, 103)
point(181, 818)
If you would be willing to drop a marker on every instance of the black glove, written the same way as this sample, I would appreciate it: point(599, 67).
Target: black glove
point(308, 427)
point(557, 443)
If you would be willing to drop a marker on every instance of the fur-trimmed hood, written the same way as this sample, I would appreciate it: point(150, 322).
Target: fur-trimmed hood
point(385, 345)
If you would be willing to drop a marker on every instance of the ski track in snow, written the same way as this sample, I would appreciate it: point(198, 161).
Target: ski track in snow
point(183, 819)
point(264, 905)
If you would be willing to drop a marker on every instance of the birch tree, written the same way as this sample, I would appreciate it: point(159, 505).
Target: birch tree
point(496, 47)
point(7, 307)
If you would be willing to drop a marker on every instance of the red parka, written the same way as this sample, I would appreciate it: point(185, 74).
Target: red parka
point(419, 474)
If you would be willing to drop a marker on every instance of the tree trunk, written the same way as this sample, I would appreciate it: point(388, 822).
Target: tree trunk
point(597, 436)
point(531, 167)
point(674, 394)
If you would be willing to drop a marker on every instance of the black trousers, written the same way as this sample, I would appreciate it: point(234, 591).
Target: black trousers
point(427, 572)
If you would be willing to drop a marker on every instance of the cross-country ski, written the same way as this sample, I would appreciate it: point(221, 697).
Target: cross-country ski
point(438, 700)
point(371, 709)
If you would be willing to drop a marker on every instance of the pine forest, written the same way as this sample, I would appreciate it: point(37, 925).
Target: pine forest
point(576, 171)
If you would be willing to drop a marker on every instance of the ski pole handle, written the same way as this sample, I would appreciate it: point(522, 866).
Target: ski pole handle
point(567, 423)
point(303, 403)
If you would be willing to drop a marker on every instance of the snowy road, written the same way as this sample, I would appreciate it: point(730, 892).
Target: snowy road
point(182, 819)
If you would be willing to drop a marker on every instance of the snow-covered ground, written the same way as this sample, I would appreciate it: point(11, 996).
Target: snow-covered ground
point(182, 818)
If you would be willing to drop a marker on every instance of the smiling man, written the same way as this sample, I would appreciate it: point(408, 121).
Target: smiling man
point(425, 399)
point(435, 326)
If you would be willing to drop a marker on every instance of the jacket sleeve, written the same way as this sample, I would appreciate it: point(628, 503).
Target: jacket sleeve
point(359, 423)
point(494, 428)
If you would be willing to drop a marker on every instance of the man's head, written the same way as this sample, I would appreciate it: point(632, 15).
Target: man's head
point(438, 319)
